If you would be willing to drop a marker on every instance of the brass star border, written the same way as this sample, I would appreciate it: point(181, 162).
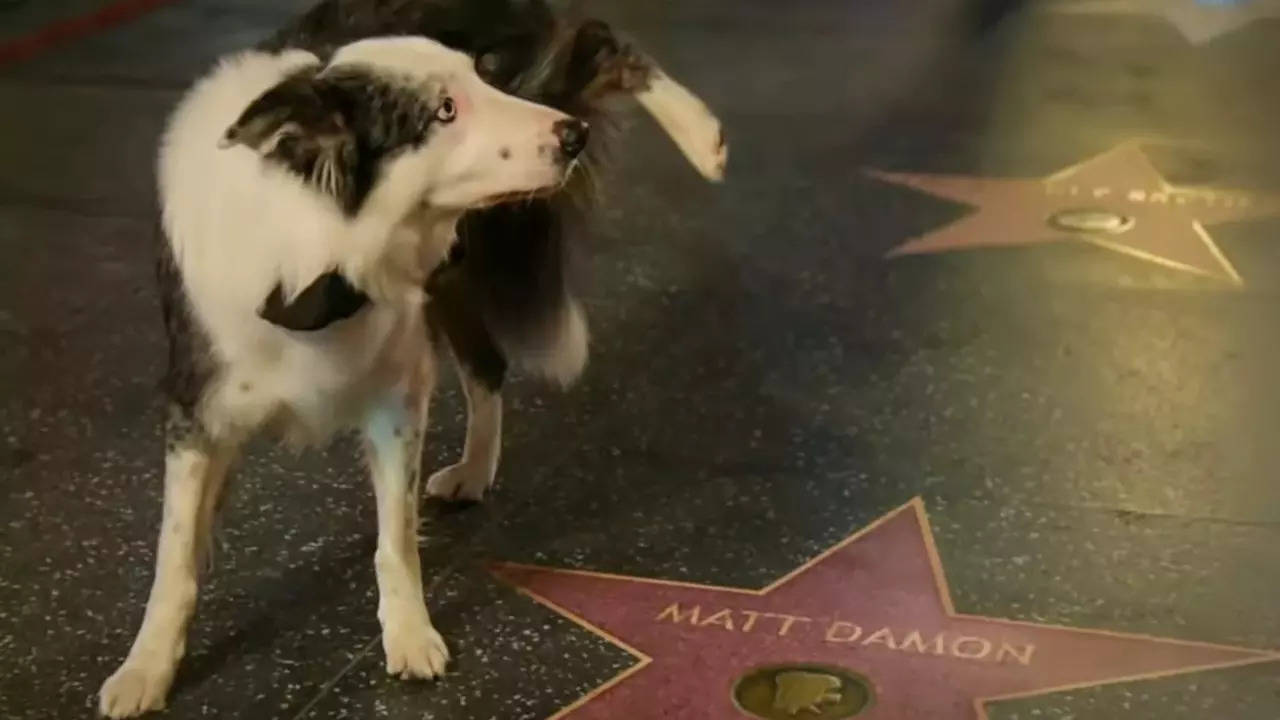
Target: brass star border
point(887, 575)
point(1116, 200)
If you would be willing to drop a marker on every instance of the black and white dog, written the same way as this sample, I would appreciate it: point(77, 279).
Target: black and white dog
point(278, 173)
point(503, 298)
point(339, 205)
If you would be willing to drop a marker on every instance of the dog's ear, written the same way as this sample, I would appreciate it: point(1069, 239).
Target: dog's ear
point(330, 298)
point(293, 106)
point(297, 106)
point(299, 124)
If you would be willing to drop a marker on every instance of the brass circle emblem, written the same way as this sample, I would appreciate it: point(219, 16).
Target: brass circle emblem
point(1091, 220)
point(813, 692)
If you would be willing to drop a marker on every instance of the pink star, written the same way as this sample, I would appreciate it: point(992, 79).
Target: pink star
point(876, 605)
point(1117, 200)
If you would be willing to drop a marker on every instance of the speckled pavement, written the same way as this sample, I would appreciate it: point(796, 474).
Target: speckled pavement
point(1078, 406)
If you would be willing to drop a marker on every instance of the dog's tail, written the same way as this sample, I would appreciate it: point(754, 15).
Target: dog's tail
point(558, 351)
point(688, 121)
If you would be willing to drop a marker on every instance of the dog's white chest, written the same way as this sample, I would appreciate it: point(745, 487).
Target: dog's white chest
point(312, 384)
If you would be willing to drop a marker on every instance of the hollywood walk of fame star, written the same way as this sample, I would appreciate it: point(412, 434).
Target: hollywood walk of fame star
point(1152, 220)
point(1199, 21)
point(876, 605)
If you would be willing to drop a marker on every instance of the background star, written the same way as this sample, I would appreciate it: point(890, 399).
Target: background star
point(1197, 20)
point(1162, 224)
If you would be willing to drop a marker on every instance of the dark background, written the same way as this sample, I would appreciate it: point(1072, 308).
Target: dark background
point(1095, 437)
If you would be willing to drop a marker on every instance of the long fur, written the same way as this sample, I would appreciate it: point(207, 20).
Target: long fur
point(506, 297)
point(512, 267)
point(301, 242)
point(304, 203)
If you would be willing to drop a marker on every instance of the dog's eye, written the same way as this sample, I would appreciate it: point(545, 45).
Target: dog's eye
point(447, 111)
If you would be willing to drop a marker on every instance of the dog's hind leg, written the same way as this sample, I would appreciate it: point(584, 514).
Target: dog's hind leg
point(211, 502)
point(393, 435)
point(472, 476)
point(482, 368)
point(688, 122)
point(600, 65)
point(195, 467)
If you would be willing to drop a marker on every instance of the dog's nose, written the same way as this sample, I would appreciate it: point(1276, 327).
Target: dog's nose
point(572, 134)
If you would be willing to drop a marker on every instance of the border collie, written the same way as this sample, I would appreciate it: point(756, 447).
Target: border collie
point(503, 298)
point(296, 192)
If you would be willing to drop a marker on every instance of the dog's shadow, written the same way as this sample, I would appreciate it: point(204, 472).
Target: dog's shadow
point(287, 604)
point(318, 595)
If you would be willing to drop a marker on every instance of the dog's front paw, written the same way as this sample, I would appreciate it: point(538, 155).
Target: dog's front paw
point(138, 686)
point(465, 482)
point(414, 649)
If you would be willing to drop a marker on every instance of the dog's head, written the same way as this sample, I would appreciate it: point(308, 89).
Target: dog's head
point(393, 123)
point(580, 65)
point(388, 127)
point(541, 50)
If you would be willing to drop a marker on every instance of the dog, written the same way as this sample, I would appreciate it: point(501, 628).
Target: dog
point(503, 298)
point(296, 269)
point(304, 203)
